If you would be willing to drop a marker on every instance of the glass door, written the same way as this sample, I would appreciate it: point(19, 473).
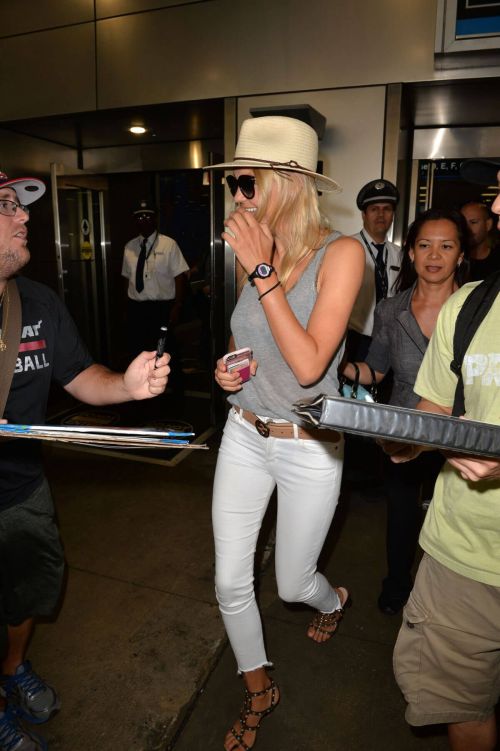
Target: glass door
point(81, 249)
point(93, 220)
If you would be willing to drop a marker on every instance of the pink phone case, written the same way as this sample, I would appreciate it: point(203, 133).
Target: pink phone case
point(239, 361)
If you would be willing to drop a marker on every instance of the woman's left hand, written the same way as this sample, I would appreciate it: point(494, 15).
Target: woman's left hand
point(399, 452)
point(252, 241)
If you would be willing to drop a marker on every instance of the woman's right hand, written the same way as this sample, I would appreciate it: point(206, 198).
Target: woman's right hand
point(231, 381)
point(251, 240)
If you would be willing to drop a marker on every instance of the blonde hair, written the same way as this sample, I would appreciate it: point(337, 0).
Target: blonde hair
point(293, 214)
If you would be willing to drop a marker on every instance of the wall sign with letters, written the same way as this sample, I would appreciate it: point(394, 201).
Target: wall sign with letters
point(467, 25)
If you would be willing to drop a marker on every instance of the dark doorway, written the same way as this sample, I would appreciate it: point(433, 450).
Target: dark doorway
point(94, 226)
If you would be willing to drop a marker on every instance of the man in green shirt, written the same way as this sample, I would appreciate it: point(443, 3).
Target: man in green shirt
point(447, 656)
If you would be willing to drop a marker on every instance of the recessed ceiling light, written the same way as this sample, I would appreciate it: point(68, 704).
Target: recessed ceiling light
point(138, 130)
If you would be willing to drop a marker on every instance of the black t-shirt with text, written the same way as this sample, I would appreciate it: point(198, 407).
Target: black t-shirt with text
point(50, 349)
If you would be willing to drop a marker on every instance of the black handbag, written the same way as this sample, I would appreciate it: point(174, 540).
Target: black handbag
point(354, 390)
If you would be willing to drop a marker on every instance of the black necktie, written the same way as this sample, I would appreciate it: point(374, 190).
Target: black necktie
point(139, 272)
point(381, 281)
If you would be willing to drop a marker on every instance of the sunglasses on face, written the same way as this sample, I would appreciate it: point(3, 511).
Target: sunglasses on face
point(246, 184)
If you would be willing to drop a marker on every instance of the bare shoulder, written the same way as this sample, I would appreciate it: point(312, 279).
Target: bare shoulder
point(346, 250)
point(347, 241)
point(343, 265)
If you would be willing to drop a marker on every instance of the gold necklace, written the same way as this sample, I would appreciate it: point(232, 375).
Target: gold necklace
point(5, 318)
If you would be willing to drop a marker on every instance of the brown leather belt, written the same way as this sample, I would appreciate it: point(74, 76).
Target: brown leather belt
point(286, 429)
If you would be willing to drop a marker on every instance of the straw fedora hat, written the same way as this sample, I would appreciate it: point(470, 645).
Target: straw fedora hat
point(279, 143)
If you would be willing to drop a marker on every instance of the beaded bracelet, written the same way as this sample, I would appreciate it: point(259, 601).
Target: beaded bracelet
point(278, 284)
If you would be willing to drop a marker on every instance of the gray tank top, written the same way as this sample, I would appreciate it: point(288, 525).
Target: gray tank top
point(274, 389)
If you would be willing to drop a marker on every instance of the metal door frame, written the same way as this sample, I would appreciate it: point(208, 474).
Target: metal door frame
point(103, 314)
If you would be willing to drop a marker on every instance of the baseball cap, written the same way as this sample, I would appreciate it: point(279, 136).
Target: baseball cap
point(28, 189)
point(144, 208)
point(377, 191)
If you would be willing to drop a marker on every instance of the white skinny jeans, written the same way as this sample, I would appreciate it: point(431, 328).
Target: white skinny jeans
point(307, 474)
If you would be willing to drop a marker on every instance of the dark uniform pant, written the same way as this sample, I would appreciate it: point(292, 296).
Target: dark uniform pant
point(404, 486)
point(145, 320)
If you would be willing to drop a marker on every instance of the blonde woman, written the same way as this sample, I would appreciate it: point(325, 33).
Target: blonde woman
point(292, 314)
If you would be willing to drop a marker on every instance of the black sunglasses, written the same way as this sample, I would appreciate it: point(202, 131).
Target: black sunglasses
point(246, 183)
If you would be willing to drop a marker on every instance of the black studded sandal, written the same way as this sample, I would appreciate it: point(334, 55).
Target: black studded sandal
point(247, 712)
point(327, 623)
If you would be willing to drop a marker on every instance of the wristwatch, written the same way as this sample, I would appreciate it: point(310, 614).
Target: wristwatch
point(262, 271)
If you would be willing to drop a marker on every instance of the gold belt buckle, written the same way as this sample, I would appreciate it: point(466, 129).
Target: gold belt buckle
point(261, 428)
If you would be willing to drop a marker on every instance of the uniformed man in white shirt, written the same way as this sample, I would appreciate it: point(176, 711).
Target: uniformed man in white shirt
point(377, 201)
point(157, 284)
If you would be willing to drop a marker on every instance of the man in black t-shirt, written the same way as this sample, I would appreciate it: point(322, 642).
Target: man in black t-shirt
point(31, 556)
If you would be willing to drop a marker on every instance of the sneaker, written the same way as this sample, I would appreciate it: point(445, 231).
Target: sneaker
point(14, 738)
point(29, 695)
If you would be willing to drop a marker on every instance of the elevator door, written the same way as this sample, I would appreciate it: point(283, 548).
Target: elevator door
point(437, 154)
point(440, 185)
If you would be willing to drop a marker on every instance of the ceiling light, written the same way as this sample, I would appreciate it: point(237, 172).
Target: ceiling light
point(138, 130)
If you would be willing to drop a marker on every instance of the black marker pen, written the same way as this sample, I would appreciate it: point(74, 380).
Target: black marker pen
point(160, 347)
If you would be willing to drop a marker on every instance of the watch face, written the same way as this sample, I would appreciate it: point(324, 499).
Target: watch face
point(264, 270)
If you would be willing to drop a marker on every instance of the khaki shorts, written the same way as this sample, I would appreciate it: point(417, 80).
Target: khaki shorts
point(447, 655)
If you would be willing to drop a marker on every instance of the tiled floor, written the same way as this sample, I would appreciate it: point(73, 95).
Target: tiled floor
point(138, 651)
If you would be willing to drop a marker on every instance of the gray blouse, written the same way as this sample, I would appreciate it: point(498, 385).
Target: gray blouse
point(398, 344)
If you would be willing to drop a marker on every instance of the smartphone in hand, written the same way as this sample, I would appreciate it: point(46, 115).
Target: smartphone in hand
point(240, 361)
